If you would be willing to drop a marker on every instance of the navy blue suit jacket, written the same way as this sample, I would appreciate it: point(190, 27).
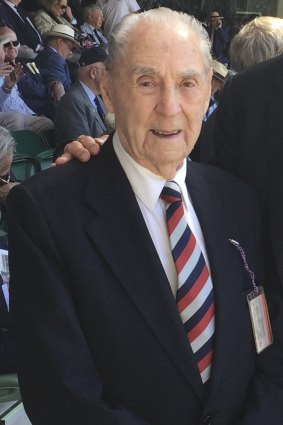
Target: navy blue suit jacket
point(53, 67)
point(26, 34)
point(99, 337)
point(247, 141)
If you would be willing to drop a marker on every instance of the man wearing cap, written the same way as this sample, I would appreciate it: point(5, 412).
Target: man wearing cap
point(51, 62)
point(218, 37)
point(81, 110)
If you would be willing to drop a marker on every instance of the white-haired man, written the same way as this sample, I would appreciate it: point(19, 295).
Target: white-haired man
point(129, 295)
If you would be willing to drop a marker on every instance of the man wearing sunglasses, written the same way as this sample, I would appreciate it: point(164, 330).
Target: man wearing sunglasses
point(31, 86)
point(14, 18)
point(14, 112)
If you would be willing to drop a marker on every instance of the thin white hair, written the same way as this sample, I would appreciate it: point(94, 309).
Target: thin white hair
point(7, 143)
point(162, 16)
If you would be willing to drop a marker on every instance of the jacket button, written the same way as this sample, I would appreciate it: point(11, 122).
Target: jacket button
point(207, 421)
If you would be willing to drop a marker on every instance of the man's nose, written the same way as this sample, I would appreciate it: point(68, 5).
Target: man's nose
point(169, 102)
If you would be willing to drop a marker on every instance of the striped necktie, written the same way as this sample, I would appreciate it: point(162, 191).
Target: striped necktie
point(194, 296)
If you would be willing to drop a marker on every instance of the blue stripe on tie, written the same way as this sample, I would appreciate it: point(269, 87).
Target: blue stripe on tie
point(172, 209)
point(204, 350)
point(182, 291)
point(181, 244)
point(196, 318)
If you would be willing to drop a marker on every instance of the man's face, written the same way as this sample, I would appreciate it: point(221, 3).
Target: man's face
point(11, 51)
point(96, 19)
point(159, 92)
point(66, 47)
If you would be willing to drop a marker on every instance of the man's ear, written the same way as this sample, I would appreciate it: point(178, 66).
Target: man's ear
point(105, 88)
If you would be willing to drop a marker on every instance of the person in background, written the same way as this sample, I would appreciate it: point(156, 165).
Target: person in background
point(31, 87)
point(259, 40)
point(128, 294)
point(81, 110)
point(113, 11)
point(93, 20)
point(52, 13)
point(14, 113)
point(15, 18)
point(248, 142)
point(218, 37)
point(60, 43)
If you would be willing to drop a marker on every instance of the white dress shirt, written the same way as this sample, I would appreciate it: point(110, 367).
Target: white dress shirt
point(147, 188)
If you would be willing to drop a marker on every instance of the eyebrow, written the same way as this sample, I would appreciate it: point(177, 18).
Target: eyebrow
point(152, 71)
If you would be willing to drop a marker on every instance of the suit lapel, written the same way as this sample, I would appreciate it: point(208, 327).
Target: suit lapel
point(100, 126)
point(119, 233)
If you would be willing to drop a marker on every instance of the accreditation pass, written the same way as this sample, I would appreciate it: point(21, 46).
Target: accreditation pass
point(260, 319)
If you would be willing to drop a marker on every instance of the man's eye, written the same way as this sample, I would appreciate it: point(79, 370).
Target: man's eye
point(188, 84)
point(145, 83)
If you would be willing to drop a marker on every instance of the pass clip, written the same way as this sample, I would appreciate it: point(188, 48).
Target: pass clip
point(257, 307)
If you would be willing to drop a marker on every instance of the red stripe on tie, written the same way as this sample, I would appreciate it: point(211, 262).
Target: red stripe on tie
point(185, 254)
point(200, 326)
point(205, 362)
point(173, 222)
point(195, 290)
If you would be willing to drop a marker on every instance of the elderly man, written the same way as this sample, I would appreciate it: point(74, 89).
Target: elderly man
point(81, 110)
point(128, 274)
point(60, 43)
point(93, 19)
point(31, 87)
point(14, 112)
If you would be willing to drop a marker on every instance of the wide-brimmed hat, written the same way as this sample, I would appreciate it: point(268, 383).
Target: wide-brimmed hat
point(63, 31)
point(219, 70)
point(215, 15)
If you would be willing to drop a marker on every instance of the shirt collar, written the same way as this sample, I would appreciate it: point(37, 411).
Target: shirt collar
point(89, 92)
point(12, 5)
point(146, 185)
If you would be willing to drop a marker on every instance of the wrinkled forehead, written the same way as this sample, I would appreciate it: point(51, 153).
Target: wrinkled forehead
point(163, 46)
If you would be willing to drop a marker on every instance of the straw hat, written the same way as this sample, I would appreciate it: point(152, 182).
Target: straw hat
point(219, 70)
point(215, 15)
point(63, 31)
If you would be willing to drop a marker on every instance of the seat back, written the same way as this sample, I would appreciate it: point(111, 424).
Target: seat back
point(23, 166)
point(30, 143)
point(9, 388)
point(44, 159)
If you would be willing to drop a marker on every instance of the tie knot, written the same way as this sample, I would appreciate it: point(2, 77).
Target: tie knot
point(171, 192)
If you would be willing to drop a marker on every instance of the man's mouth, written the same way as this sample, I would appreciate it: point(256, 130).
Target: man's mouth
point(166, 134)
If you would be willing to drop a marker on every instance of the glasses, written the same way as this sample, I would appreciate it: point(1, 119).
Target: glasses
point(4, 180)
point(63, 7)
point(14, 43)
